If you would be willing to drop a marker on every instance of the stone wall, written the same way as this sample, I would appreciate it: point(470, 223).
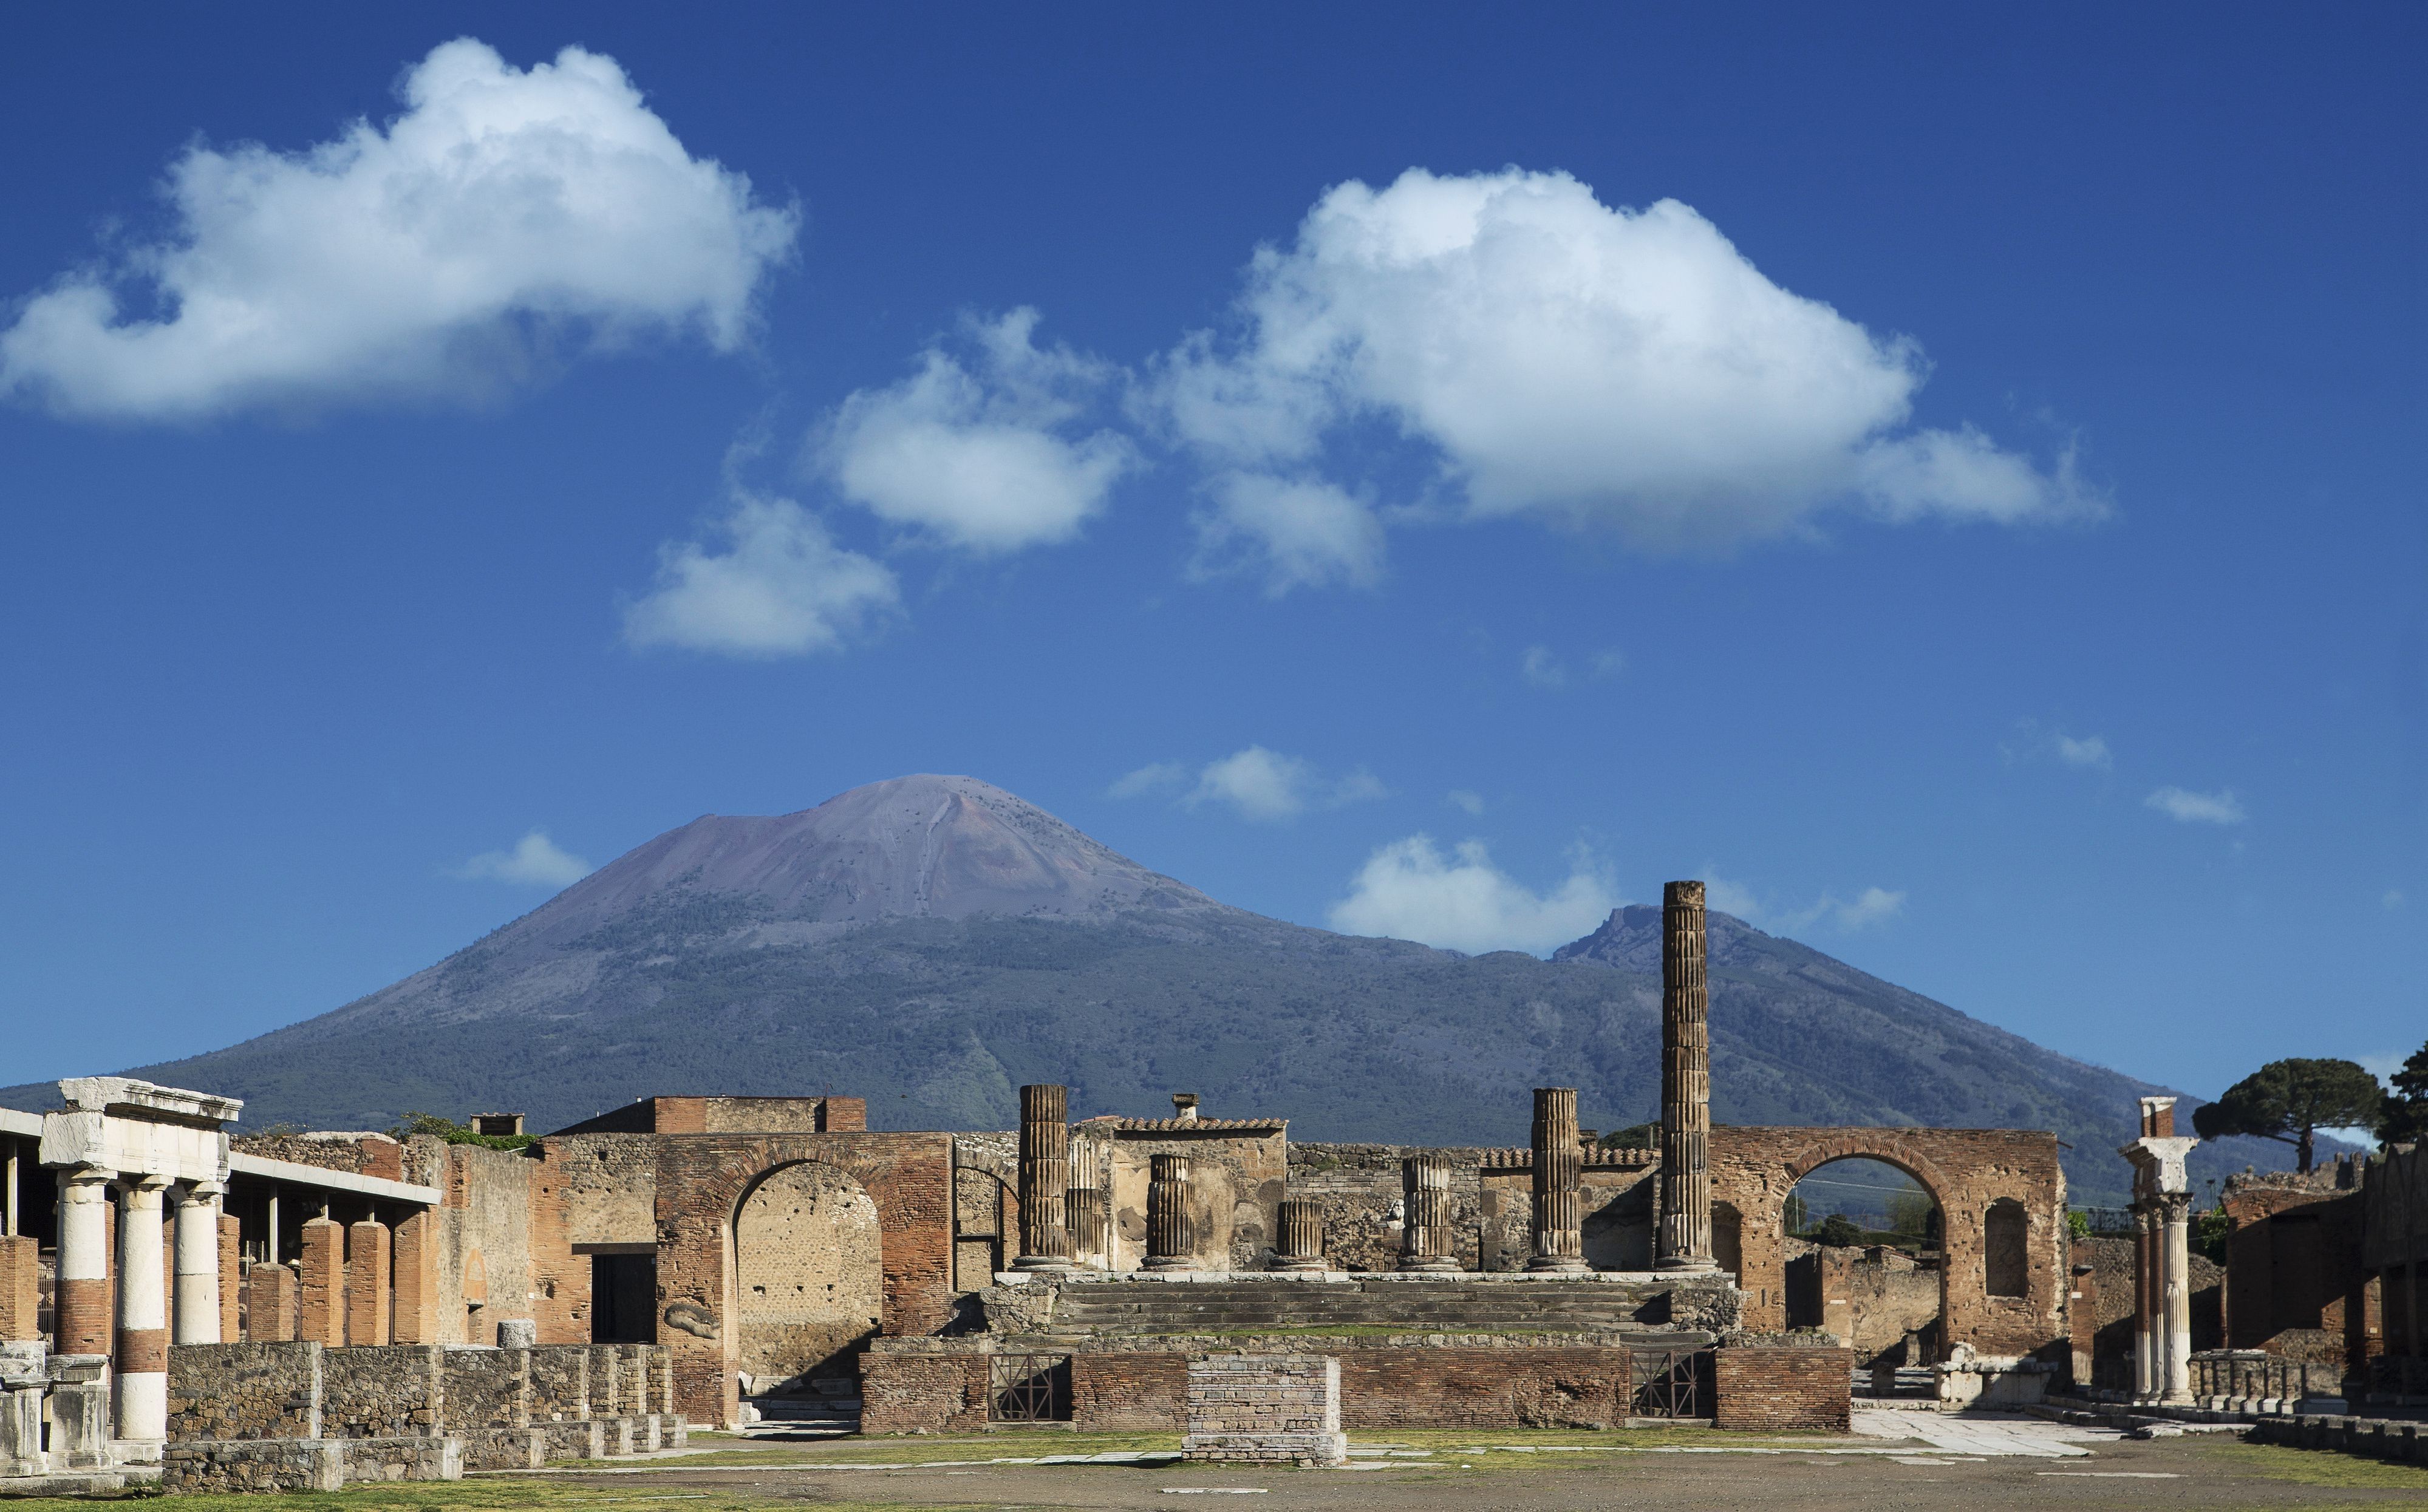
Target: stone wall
point(390, 1392)
point(1491, 1204)
point(1234, 1189)
point(611, 1185)
point(808, 1271)
point(1770, 1389)
point(2109, 1298)
point(500, 1247)
point(359, 1154)
point(2296, 1285)
point(489, 1389)
point(267, 1390)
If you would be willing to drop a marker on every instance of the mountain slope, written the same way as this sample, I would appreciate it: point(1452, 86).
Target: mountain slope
point(930, 943)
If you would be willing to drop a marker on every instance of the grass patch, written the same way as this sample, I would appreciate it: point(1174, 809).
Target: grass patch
point(913, 1449)
point(477, 1496)
point(2319, 1467)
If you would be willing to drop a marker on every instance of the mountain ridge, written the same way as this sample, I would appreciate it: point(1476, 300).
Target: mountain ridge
point(930, 943)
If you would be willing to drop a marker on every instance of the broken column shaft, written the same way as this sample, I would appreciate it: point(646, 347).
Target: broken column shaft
point(1171, 1236)
point(1685, 1084)
point(1425, 1239)
point(1302, 1236)
point(1559, 1172)
point(1044, 1177)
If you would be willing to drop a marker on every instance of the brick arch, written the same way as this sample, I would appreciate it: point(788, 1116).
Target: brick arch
point(1963, 1171)
point(704, 1179)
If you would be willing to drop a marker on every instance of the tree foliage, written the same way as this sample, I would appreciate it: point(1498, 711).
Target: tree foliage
point(2290, 1101)
point(1839, 1229)
point(2403, 1118)
point(454, 1133)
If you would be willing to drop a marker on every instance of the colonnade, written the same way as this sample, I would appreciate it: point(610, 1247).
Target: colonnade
point(2162, 1292)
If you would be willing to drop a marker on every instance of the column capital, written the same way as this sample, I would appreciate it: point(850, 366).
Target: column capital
point(147, 1184)
point(85, 1179)
point(206, 1191)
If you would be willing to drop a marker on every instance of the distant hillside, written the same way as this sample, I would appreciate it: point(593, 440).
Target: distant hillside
point(931, 943)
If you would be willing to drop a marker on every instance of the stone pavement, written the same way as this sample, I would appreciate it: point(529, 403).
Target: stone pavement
point(1989, 1434)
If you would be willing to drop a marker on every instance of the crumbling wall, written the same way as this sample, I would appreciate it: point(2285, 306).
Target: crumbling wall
point(359, 1153)
point(810, 1272)
point(2295, 1284)
point(611, 1187)
point(1491, 1204)
point(1235, 1192)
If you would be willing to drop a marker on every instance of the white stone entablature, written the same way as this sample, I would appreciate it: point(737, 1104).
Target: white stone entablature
point(135, 1129)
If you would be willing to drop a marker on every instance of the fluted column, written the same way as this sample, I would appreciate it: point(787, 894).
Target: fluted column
point(1171, 1234)
point(142, 1354)
point(2173, 1382)
point(198, 1264)
point(1559, 1172)
point(1302, 1236)
point(1425, 1239)
point(1083, 1215)
point(2145, 1309)
point(84, 1325)
point(1044, 1177)
point(1685, 1084)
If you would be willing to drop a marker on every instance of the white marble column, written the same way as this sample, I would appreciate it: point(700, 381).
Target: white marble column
point(198, 1264)
point(2145, 1309)
point(142, 1353)
point(2175, 1322)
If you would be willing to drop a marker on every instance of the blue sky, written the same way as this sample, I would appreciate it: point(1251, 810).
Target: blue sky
point(1950, 478)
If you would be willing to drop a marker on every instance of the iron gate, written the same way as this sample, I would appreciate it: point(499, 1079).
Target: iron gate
point(1029, 1388)
point(1670, 1382)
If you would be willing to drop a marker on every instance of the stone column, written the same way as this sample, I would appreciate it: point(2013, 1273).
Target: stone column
point(1559, 1171)
point(142, 1354)
point(1302, 1236)
point(82, 1305)
point(1083, 1215)
point(2145, 1290)
point(2174, 1383)
point(369, 1254)
point(270, 1316)
point(1044, 1176)
point(1425, 1239)
point(1685, 1084)
point(198, 1264)
point(1171, 1234)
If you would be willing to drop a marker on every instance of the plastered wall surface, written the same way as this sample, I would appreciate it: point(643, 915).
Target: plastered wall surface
point(1235, 1185)
point(810, 1274)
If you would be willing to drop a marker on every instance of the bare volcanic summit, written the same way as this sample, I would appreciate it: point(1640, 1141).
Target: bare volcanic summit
point(931, 943)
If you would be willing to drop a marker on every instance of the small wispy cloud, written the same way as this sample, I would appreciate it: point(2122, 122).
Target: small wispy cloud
point(1465, 801)
point(2035, 741)
point(1254, 782)
point(2089, 751)
point(1542, 669)
point(536, 861)
point(1873, 904)
point(2185, 806)
point(2392, 900)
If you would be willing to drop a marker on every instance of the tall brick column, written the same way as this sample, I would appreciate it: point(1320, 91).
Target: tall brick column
point(1302, 1236)
point(20, 1287)
point(416, 1280)
point(83, 1301)
point(198, 1264)
point(368, 1257)
point(1559, 1174)
point(1685, 1084)
point(321, 1306)
point(1171, 1236)
point(231, 1279)
point(1425, 1239)
point(1044, 1177)
point(141, 1363)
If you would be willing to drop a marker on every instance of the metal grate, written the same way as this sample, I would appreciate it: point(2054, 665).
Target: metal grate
point(1029, 1388)
point(1670, 1382)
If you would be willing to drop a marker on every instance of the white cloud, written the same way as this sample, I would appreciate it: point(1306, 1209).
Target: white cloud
point(2187, 807)
point(1542, 669)
point(536, 861)
point(503, 214)
point(1873, 904)
point(782, 587)
point(1254, 782)
point(2392, 900)
point(1297, 533)
point(1410, 890)
point(1575, 362)
point(982, 460)
point(1148, 779)
point(2089, 751)
point(1465, 801)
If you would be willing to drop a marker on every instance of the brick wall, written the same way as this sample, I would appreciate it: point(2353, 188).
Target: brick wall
point(2295, 1286)
point(367, 1280)
point(1130, 1392)
point(362, 1154)
point(1753, 1169)
point(320, 1310)
point(20, 1279)
point(927, 1393)
point(1764, 1390)
point(1265, 1409)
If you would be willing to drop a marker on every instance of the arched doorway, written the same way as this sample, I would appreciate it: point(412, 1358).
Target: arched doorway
point(808, 1278)
point(1865, 1254)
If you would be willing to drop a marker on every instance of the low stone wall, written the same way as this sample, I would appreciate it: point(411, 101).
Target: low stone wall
point(2374, 1437)
point(1765, 1388)
point(1270, 1409)
point(927, 1392)
point(244, 1391)
point(383, 1391)
point(488, 1388)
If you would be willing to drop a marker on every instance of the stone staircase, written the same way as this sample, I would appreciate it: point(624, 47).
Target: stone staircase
point(1273, 1306)
point(831, 1409)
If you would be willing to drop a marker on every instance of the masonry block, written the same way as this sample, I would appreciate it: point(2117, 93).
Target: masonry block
point(368, 1261)
point(20, 1287)
point(320, 1308)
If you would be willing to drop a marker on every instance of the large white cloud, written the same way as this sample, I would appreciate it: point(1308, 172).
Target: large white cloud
point(1563, 360)
point(504, 214)
point(984, 460)
point(781, 587)
point(1410, 890)
point(1253, 782)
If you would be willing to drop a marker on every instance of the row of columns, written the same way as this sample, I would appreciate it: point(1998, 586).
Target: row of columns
point(138, 1338)
point(1050, 1209)
point(2162, 1292)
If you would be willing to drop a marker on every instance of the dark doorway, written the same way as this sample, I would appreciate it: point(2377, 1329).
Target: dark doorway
point(624, 1299)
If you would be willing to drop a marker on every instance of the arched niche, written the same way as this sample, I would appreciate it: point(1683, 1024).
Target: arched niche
point(808, 1269)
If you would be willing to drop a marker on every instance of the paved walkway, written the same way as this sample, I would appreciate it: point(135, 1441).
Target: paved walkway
point(1987, 1435)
